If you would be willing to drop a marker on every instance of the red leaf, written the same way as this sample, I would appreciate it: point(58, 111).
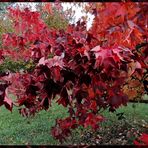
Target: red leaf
point(42, 61)
point(48, 8)
point(91, 93)
point(7, 101)
point(121, 11)
point(93, 120)
point(93, 105)
point(102, 53)
point(64, 100)
point(55, 71)
point(136, 142)
point(144, 138)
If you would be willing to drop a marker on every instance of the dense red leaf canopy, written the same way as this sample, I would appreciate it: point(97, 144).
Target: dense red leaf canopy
point(85, 71)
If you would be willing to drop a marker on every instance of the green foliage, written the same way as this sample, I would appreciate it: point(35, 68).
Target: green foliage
point(55, 20)
point(5, 23)
point(5, 27)
point(15, 66)
point(3, 7)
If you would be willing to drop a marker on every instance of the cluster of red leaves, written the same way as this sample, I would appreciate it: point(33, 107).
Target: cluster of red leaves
point(85, 72)
point(4, 99)
point(125, 24)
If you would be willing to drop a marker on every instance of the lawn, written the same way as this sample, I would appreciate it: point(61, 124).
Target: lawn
point(15, 129)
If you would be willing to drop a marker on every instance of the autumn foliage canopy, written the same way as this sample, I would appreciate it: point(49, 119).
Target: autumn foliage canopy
point(85, 71)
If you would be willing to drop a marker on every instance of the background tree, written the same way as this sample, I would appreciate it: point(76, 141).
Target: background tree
point(3, 7)
point(5, 23)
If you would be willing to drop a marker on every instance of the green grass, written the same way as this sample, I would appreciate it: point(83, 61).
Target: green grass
point(132, 110)
point(15, 129)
